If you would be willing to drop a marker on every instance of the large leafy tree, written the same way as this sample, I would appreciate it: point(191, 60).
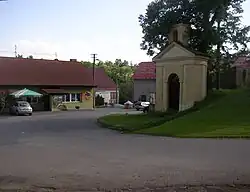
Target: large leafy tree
point(203, 16)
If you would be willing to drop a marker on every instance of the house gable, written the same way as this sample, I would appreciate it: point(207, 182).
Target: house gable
point(174, 50)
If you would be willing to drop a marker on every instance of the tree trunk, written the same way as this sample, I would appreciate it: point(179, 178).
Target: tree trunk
point(218, 55)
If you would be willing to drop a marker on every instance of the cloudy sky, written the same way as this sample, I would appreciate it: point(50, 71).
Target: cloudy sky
point(75, 28)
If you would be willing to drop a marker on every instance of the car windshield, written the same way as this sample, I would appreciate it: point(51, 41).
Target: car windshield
point(23, 104)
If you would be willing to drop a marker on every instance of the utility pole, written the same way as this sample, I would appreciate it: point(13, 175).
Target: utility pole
point(116, 91)
point(93, 76)
point(15, 51)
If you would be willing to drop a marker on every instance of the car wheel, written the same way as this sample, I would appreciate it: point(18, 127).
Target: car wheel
point(30, 114)
point(17, 114)
point(137, 109)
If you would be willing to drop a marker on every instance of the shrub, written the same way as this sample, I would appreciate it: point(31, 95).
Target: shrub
point(62, 107)
point(99, 100)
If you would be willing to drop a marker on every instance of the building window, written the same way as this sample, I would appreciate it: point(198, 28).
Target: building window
point(31, 100)
point(143, 98)
point(113, 95)
point(175, 36)
point(72, 97)
point(244, 75)
point(34, 100)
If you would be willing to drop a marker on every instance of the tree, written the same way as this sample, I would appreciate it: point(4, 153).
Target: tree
point(30, 57)
point(87, 63)
point(202, 15)
point(121, 73)
point(19, 56)
point(99, 100)
point(3, 100)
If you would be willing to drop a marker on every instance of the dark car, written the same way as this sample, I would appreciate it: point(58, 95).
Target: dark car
point(140, 105)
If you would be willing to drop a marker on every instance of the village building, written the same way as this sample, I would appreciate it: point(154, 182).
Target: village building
point(60, 82)
point(144, 81)
point(106, 87)
point(181, 73)
point(242, 65)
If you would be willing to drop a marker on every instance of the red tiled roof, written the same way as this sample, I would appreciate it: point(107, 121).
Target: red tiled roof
point(55, 90)
point(145, 70)
point(16, 71)
point(102, 80)
point(242, 62)
point(4, 91)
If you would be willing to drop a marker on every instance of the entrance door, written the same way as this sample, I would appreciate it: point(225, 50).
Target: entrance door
point(47, 105)
point(173, 92)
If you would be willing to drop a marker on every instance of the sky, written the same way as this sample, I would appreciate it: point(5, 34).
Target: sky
point(74, 29)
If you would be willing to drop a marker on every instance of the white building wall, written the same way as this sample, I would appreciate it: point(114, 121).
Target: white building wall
point(106, 95)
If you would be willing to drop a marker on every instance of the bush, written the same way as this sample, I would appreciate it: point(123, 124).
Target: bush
point(62, 107)
point(99, 100)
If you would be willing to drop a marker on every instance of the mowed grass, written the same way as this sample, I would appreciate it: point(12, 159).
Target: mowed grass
point(135, 122)
point(226, 117)
point(130, 122)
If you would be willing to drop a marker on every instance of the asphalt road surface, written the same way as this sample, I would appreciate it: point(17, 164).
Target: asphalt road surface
point(68, 150)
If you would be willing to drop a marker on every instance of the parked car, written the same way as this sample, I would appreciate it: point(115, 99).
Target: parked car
point(139, 105)
point(21, 108)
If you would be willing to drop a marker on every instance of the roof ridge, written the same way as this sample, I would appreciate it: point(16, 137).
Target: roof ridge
point(35, 59)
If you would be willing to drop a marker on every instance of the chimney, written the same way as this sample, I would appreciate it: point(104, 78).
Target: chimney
point(73, 60)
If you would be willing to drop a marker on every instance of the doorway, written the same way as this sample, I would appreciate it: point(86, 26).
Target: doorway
point(173, 92)
point(47, 103)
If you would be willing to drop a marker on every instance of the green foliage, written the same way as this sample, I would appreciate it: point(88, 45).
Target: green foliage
point(30, 57)
point(99, 100)
point(3, 101)
point(202, 15)
point(19, 56)
point(121, 73)
point(87, 63)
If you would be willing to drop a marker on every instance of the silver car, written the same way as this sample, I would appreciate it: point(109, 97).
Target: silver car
point(21, 108)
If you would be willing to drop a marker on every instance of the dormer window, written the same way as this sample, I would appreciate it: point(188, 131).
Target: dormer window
point(175, 35)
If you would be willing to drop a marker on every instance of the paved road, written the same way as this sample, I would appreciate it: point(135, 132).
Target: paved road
point(69, 149)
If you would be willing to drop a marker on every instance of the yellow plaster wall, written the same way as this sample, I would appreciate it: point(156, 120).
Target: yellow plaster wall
point(193, 84)
point(159, 88)
point(84, 104)
point(192, 72)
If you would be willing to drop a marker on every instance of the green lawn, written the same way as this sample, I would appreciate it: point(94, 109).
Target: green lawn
point(135, 122)
point(222, 114)
point(227, 117)
point(131, 122)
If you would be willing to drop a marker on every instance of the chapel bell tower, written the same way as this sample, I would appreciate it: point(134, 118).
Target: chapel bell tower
point(179, 33)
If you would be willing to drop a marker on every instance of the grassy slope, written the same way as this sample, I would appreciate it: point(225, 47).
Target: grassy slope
point(226, 117)
point(130, 123)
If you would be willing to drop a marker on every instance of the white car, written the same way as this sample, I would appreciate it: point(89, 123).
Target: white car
point(21, 108)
